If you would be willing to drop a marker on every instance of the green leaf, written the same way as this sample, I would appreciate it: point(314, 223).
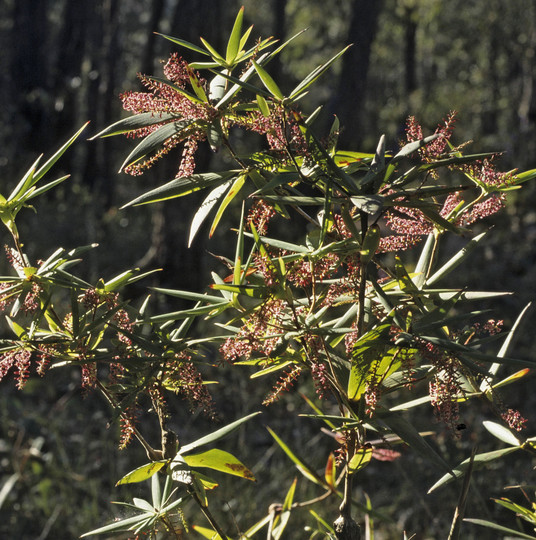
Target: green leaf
point(188, 295)
point(184, 43)
point(307, 471)
point(233, 45)
point(369, 203)
point(315, 74)
point(253, 291)
point(142, 473)
point(367, 353)
point(127, 524)
point(211, 534)
point(135, 122)
point(405, 430)
point(360, 459)
point(258, 526)
point(231, 194)
point(502, 433)
point(218, 434)
point(218, 460)
point(31, 178)
point(155, 139)
point(263, 105)
point(213, 52)
point(524, 177)
point(43, 189)
point(494, 368)
point(492, 525)
point(206, 206)
point(180, 187)
point(456, 260)
point(480, 461)
point(48, 164)
point(238, 83)
point(284, 516)
point(268, 82)
point(525, 513)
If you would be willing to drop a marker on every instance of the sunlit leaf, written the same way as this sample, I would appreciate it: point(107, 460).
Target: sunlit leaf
point(180, 187)
point(233, 45)
point(491, 525)
point(219, 460)
point(155, 139)
point(211, 534)
point(231, 194)
point(218, 434)
point(135, 121)
point(206, 206)
point(502, 433)
point(184, 43)
point(307, 471)
point(480, 461)
point(142, 473)
point(315, 74)
point(268, 82)
point(360, 459)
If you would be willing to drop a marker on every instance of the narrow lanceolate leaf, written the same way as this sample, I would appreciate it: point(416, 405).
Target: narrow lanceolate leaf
point(511, 532)
point(455, 261)
point(360, 459)
point(211, 534)
point(206, 206)
point(405, 430)
point(219, 460)
point(127, 524)
point(218, 434)
point(155, 139)
point(135, 122)
point(181, 186)
point(233, 45)
point(315, 74)
point(268, 82)
point(214, 53)
point(188, 295)
point(231, 194)
point(502, 433)
point(142, 473)
point(307, 471)
point(480, 461)
point(494, 368)
point(184, 43)
point(48, 164)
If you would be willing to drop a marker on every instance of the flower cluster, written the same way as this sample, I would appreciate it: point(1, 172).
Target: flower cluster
point(445, 388)
point(127, 420)
point(285, 383)
point(259, 216)
point(514, 419)
point(436, 148)
point(282, 130)
point(167, 98)
point(258, 334)
point(183, 377)
point(20, 359)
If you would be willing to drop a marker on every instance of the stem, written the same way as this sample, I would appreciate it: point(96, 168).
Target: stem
point(152, 454)
point(207, 514)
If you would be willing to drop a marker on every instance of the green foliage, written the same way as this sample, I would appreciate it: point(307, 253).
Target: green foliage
point(335, 301)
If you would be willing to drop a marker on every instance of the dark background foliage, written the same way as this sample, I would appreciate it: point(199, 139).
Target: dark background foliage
point(64, 62)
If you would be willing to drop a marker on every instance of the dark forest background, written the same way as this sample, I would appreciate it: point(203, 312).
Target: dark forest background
point(64, 62)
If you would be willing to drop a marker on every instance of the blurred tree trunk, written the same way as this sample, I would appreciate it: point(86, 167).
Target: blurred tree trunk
point(350, 98)
point(410, 63)
point(29, 70)
point(170, 223)
point(279, 32)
